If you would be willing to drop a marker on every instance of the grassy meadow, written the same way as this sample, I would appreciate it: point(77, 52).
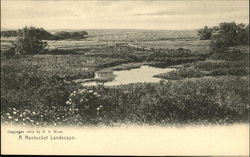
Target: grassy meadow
point(204, 88)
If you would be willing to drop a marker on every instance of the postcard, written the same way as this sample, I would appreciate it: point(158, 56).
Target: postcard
point(121, 77)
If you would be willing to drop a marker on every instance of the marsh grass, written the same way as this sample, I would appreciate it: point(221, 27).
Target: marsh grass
point(40, 87)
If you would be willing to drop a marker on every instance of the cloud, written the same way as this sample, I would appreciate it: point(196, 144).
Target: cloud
point(121, 14)
point(195, 9)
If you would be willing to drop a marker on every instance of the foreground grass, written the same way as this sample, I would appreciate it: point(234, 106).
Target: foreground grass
point(203, 100)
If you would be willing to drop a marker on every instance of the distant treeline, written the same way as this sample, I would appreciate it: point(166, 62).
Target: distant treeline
point(45, 35)
point(225, 35)
point(230, 33)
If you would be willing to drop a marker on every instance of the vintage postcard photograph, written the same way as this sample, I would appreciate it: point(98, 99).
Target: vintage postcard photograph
point(123, 77)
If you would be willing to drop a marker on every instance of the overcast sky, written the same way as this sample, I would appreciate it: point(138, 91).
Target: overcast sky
point(148, 14)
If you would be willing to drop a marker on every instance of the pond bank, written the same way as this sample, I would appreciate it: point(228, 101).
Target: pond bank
point(126, 74)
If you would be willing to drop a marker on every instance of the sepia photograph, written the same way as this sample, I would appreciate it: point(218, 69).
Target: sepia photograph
point(123, 77)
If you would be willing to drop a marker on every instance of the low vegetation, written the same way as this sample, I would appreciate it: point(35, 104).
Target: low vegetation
point(210, 100)
point(38, 85)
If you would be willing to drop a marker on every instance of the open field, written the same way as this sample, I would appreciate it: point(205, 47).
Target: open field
point(104, 37)
point(200, 46)
point(131, 35)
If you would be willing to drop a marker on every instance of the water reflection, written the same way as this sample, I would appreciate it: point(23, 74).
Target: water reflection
point(144, 74)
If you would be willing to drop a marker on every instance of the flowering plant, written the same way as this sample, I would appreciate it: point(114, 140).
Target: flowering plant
point(85, 102)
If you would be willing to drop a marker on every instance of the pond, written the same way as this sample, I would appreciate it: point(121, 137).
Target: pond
point(143, 74)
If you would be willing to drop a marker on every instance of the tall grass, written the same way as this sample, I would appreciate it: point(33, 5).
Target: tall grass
point(210, 100)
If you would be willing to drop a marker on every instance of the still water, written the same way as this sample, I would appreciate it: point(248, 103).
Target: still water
point(144, 74)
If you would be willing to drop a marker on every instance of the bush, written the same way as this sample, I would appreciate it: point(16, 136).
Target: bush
point(229, 34)
point(233, 34)
point(205, 33)
point(29, 42)
point(218, 46)
point(71, 35)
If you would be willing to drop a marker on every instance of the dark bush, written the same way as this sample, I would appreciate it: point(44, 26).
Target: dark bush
point(205, 33)
point(29, 42)
point(229, 34)
point(71, 35)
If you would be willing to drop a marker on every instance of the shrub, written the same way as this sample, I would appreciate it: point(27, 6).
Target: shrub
point(86, 103)
point(29, 42)
point(71, 35)
point(205, 33)
point(218, 46)
point(232, 33)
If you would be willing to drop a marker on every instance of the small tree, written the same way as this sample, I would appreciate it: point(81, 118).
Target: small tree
point(229, 34)
point(232, 33)
point(29, 41)
point(218, 45)
point(205, 33)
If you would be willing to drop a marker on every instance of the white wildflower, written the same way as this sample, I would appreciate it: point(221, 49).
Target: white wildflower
point(9, 117)
point(81, 91)
point(16, 120)
point(68, 102)
point(7, 114)
point(14, 112)
point(81, 100)
point(33, 112)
